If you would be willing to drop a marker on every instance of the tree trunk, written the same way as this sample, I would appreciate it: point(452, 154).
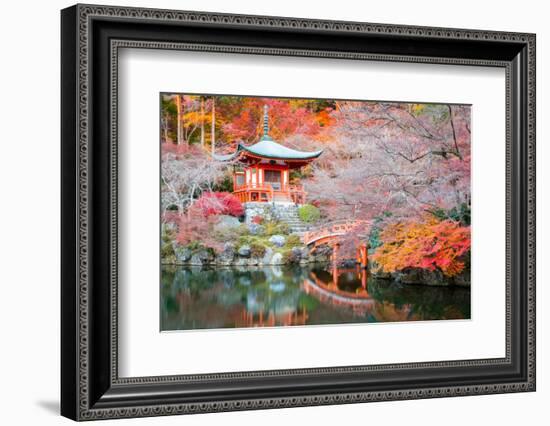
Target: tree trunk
point(454, 132)
point(165, 127)
point(213, 127)
point(202, 122)
point(178, 121)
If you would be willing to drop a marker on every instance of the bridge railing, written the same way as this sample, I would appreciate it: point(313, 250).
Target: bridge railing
point(335, 228)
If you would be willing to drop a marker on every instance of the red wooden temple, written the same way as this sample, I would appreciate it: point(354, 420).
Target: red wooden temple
point(266, 167)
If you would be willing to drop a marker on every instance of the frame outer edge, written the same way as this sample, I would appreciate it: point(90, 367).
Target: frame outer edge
point(83, 13)
point(69, 190)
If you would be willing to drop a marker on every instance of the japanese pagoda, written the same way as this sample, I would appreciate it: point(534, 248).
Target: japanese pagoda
point(266, 167)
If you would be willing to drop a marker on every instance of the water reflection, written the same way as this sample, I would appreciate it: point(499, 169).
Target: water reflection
point(195, 298)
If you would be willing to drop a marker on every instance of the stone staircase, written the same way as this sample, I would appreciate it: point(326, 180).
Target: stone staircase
point(288, 213)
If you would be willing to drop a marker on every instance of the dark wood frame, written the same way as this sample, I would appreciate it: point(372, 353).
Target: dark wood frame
point(91, 37)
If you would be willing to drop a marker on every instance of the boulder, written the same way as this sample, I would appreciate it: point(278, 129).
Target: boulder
point(183, 254)
point(239, 263)
point(318, 257)
point(421, 276)
point(276, 259)
point(294, 256)
point(227, 255)
point(463, 279)
point(226, 222)
point(278, 240)
point(244, 251)
point(296, 251)
point(348, 263)
point(266, 260)
point(201, 257)
point(256, 229)
point(435, 278)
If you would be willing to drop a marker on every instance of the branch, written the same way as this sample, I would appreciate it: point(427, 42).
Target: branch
point(454, 132)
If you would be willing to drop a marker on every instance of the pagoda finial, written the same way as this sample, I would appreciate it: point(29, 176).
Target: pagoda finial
point(266, 121)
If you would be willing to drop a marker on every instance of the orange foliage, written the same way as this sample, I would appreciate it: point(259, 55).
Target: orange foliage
point(431, 244)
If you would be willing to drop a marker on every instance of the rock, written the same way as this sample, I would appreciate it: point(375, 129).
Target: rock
point(347, 263)
point(435, 278)
point(463, 279)
point(266, 260)
point(381, 274)
point(244, 251)
point(294, 255)
point(277, 259)
point(253, 209)
point(256, 229)
point(183, 254)
point(227, 255)
point(318, 257)
point(278, 240)
point(408, 276)
point(239, 263)
point(297, 252)
point(226, 222)
point(201, 257)
point(421, 276)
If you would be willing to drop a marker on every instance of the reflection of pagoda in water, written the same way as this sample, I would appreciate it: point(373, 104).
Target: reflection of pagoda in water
point(275, 304)
point(272, 318)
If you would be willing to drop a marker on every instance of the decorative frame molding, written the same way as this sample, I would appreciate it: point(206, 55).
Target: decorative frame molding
point(91, 37)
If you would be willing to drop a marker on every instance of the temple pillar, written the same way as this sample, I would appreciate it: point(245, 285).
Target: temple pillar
point(364, 256)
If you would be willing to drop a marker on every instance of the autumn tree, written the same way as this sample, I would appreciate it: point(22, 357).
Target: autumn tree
point(430, 244)
point(403, 158)
point(186, 172)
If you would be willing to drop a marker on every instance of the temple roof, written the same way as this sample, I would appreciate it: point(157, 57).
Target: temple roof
point(268, 148)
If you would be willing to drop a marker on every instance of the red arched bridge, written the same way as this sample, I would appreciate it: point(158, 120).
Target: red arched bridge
point(333, 233)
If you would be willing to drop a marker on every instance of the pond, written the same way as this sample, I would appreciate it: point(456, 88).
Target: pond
point(218, 297)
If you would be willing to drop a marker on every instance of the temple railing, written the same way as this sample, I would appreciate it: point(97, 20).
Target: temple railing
point(266, 192)
point(253, 192)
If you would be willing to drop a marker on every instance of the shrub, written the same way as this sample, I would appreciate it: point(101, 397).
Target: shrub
point(430, 244)
point(166, 251)
point(309, 213)
point(216, 203)
point(196, 229)
point(230, 234)
point(290, 257)
point(257, 250)
point(461, 213)
point(293, 240)
point(273, 228)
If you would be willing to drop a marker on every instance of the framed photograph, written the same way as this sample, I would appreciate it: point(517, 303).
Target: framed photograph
point(263, 212)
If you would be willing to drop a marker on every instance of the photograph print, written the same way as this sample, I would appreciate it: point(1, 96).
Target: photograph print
point(301, 212)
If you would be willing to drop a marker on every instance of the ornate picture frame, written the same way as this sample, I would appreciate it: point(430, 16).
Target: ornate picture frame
point(91, 38)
